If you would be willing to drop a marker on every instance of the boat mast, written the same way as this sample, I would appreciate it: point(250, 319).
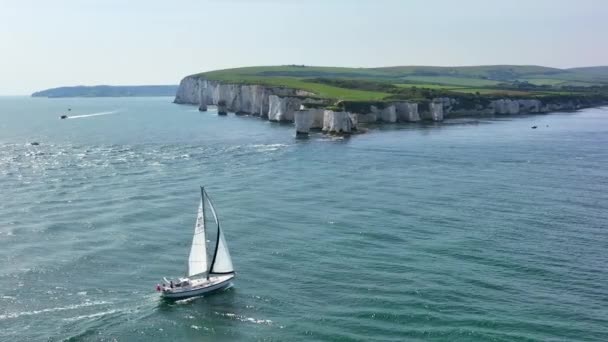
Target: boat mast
point(203, 201)
point(201, 222)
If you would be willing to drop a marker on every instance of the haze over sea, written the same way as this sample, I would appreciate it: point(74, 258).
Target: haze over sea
point(477, 229)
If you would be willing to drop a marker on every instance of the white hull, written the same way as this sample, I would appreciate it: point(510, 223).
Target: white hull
point(198, 287)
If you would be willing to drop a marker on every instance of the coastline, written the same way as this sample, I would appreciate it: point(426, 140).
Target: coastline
point(309, 112)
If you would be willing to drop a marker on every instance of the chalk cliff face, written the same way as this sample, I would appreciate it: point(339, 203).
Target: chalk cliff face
point(387, 114)
point(239, 98)
point(302, 119)
point(440, 108)
point(337, 122)
point(506, 106)
point(407, 112)
point(188, 91)
point(529, 106)
point(282, 108)
point(366, 118)
point(289, 105)
point(354, 120)
point(435, 111)
point(308, 119)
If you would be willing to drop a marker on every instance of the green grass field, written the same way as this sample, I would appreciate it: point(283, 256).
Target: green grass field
point(490, 91)
point(416, 82)
point(429, 86)
point(450, 80)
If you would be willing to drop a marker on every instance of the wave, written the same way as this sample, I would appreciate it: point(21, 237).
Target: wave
point(97, 314)
point(268, 147)
point(94, 114)
point(61, 308)
point(241, 318)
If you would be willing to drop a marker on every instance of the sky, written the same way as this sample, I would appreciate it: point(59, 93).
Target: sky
point(55, 43)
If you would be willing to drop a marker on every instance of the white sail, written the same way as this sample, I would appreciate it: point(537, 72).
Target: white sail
point(197, 262)
point(223, 261)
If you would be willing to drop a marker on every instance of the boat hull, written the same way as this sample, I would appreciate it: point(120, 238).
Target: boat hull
point(198, 290)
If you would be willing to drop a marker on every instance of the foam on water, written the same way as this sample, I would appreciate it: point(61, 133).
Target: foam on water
point(243, 318)
point(94, 114)
point(48, 310)
point(89, 316)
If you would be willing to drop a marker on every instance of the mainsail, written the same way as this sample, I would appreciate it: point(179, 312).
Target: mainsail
point(197, 262)
point(207, 230)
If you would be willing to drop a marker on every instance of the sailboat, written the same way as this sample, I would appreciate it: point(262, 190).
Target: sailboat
point(209, 264)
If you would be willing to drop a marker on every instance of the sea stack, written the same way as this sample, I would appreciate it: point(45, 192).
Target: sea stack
point(221, 108)
point(303, 121)
point(337, 123)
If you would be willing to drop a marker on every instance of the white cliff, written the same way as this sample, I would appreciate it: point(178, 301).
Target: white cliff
point(307, 119)
point(286, 104)
point(239, 98)
point(283, 108)
point(317, 115)
point(388, 114)
point(530, 106)
point(354, 120)
point(188, 91)
point(303, 119)
point(436, 111)
point(366, 117)
point(407, 112)
point(337, 122)
point(511, 106)
point(550, 107)
point(505, 106)
point(275, 108)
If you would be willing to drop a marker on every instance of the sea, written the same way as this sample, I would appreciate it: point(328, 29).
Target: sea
point(474, 229)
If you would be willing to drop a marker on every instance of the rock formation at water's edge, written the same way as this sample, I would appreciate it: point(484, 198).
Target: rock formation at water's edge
point(309, 112)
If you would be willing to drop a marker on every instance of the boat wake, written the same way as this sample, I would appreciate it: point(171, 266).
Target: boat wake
point(94, 114)
point(268, 147)
point(187, 300)
point(94, 315)
point(241, 318)
point(62, 308)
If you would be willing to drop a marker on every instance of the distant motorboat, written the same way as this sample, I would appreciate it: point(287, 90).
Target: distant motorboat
point(202, 276)
point(63, 117)
point(35, 143)
point(534, 127)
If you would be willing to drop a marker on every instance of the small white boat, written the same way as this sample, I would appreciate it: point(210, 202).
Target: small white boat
point(208, 243)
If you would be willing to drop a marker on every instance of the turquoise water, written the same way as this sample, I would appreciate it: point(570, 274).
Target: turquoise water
point(472, 230)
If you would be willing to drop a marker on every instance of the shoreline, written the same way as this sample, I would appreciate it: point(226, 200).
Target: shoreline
point(308, 113)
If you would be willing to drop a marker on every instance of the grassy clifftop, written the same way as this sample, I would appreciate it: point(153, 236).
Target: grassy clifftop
point(424, 82)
